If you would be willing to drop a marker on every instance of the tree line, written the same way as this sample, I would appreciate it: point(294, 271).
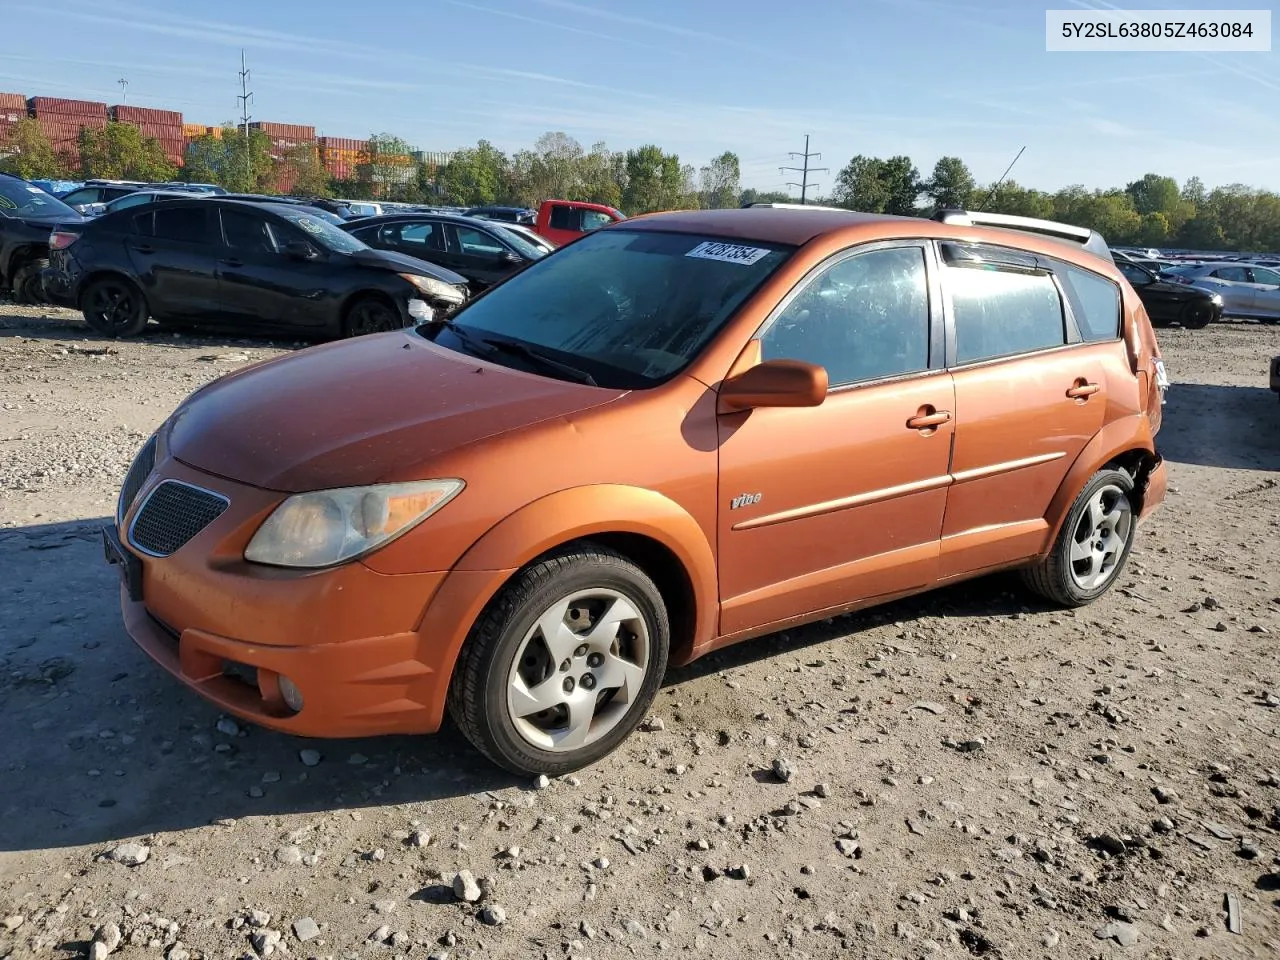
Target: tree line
point(1154, 211)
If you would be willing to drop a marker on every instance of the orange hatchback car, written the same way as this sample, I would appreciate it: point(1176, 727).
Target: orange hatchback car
point(675, 433)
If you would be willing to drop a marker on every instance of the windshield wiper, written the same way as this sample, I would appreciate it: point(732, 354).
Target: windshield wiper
point(522, 349)
point(481, 348)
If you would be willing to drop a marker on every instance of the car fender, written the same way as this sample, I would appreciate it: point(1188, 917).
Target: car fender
point(1120, 436)
point(572, 514)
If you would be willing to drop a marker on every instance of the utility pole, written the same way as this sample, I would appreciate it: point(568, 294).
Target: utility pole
point(245, 96)
point(124, 89)
point(805, 170)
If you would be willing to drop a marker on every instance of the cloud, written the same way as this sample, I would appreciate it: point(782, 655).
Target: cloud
point(656, 25)
point(558, 26)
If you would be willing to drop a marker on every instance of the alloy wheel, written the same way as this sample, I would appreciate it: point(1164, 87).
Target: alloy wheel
point(578, 670)
point(1101, 537)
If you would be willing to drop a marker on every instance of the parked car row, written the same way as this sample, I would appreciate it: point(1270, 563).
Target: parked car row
point(1243, 286)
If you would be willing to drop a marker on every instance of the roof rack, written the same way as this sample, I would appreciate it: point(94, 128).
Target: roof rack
point(794, 206)
point(1091, 240)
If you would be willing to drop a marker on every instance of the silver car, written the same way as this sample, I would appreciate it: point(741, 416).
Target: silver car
point(1246, 290)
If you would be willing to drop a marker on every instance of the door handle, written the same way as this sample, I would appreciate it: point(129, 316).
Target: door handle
point(928, 419)
point(145, 249)
point(232, 262)
point(1083, 390)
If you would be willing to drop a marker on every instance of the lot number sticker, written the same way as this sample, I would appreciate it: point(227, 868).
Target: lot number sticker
point(728, 253)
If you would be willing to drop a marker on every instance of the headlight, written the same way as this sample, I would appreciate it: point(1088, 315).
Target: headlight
point(436, 288)
point(1216, 299)
point(329, 527)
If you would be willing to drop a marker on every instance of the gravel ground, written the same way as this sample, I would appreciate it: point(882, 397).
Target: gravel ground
point(964, 774)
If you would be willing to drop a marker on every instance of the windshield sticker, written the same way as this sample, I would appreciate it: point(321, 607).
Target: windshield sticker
point(309, 225)
point(728, 253)
point(6, 202)
point(34, 190)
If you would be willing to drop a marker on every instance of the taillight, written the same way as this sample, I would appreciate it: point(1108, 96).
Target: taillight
point(61, 239)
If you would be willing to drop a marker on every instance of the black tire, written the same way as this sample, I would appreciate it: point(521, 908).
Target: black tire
point(114, 307)
point(478, 692)
point(28, 286)
point(1197, 314)
point(1057, 577)
point(370, 315)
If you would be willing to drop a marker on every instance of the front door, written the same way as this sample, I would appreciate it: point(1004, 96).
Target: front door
point(480, 256)
point(260, 285)
point(824, 506)
point(1031, 392)
point(1266, 292)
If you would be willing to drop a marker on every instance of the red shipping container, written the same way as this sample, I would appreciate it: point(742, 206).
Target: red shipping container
point(13, 101)
point(75, 108)
point(127, 114)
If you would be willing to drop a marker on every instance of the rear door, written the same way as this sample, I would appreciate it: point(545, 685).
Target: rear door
point(1266, 292)
point(1237, 292)
point(1031, 392)
point(174, 253)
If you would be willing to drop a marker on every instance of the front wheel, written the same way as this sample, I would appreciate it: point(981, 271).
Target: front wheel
point(1197, 314)
point(563, 664)
point(371, 315)
point(1092, 545)
point(114, 307)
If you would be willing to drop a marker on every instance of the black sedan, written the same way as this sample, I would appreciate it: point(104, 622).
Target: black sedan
point(254, 267)
point(1170, 302)
point(481, 250)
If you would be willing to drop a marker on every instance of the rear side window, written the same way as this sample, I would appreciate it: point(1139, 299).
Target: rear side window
point(565, 218)
point(186, 224)
point(1095, 302)
point(1003, 312)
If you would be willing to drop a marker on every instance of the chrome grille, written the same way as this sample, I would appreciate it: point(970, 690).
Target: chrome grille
point(172, 514)
point(139, 470)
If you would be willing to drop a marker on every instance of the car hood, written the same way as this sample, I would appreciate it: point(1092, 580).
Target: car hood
point(354, 412)
point(400, 263)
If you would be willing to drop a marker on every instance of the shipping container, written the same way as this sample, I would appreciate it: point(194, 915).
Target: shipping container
point(291, 130)
point(127, 114)
point(60, 105)
point(13, 101)
point(11, 115)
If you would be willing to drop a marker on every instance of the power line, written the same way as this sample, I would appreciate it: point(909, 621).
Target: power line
point(245, 96)
point(805, 170)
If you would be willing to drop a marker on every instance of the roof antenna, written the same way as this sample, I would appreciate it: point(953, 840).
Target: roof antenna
point(996, 186)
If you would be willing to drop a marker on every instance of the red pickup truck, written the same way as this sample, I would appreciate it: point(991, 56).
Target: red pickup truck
point(563, 220)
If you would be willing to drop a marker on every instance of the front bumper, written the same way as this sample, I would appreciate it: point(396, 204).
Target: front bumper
point(354, 642)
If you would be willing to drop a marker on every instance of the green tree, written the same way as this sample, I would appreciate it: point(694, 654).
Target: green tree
point(752, 195)
point(655, 180)
point(301, 169)
point(1194, 192)
point(722, 182)
point(473, 176)
point(951, 185)
point(386, 164)
point(872, 185)
point(119, 151)
point(1155, 194)
point(601, 180)
point(1012, 198)
point(27, 153)
point(241, 164)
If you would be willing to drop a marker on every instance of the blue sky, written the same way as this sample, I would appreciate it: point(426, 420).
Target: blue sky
point(880, 77)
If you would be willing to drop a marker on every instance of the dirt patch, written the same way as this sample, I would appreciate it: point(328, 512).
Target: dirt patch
point(972, 774)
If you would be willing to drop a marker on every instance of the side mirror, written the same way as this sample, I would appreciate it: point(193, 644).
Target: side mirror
point(775, 383)
point(300, 250)
point(511, 257)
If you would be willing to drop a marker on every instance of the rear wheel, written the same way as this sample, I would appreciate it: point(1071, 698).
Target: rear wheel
point(28, 287)
point(1092, 545)
point(1197, 314)
point(114, 307)
point(371, 315)
point(563, 664)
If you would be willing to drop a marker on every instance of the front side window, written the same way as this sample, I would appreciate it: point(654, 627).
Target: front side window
point(1001, 312)
point(246, 231)
point(1232, 274)
point(864, 318)
point(1262, 275)
point(474, 243)
point(631, 307)
point(1095, 302)
point(594, 220)
point(566, 218)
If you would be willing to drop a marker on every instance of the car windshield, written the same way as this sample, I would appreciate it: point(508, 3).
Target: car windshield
point(325, 233)
point(19, 198)
point(523, 246)
point(630, 307)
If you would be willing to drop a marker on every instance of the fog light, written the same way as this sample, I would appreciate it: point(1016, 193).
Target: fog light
point(291, 695)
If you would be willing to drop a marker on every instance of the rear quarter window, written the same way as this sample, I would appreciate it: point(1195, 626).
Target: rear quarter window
point(1095, 303)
